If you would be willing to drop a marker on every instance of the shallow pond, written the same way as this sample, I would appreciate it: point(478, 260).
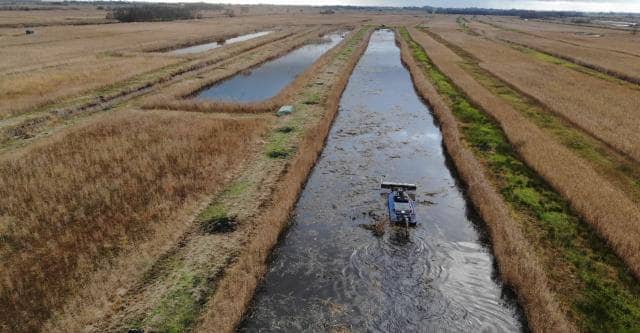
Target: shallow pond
point(210, 46)
point(330, 272)
point(266, 80)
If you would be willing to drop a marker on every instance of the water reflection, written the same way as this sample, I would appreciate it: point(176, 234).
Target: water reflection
point(268, 79)
point(215, 45)
point(330, 273)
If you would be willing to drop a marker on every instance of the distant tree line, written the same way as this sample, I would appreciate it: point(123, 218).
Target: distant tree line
point(145, 13)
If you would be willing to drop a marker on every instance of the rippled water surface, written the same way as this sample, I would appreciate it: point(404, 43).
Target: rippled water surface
point(331, 272)
point(268, 79)
point(215, 45)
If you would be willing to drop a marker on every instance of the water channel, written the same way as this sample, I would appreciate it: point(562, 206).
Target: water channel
point(214, 45)
point(331, 272)
point(266, 80)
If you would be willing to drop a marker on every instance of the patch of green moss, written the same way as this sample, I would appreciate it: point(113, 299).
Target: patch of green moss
point(568, 135)
point(216, 219)
point(179, 308)
point(606, 297)
point(237, 188)
point(279, 145)
point(213, 212)
point(312, 98)
point(351, 44)
point(464, 25)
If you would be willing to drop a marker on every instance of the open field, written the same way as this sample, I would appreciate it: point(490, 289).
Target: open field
point(125, 203)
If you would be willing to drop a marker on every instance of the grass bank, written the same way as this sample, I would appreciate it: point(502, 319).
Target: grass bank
point(518, 265)
point(237, 286)
point(615, 167)
point(206, 281)
point(595, 289)
point(571, 176)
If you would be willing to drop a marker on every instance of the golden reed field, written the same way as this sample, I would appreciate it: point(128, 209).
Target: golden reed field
point(114, 179)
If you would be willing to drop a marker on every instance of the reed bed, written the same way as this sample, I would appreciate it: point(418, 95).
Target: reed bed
point(72, 205)
point(26, 91)
point(51, 44)
point(603, 38)
point(51, 16)
point(614, 219)
point(518, 264)
point(182, 92)
point(599, 107)
point(620, 170)
point(119, 72)
point(619, 65)
point(236, 288)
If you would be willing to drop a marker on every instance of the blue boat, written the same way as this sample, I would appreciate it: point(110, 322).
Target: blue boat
point(402, 208)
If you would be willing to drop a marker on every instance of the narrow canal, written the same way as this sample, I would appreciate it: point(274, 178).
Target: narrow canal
point(331, 272)
point(214, 45)
point(266, 80)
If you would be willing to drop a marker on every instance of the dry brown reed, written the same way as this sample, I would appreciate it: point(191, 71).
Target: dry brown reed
point(122, 78)
point(58, 62)
point(70, 205)
point(236, 288)
point(602, 38)
point(619, 65)
point(76, 15)
point(599, 107)
point(601, 204)
point(518, 264)
point(179, 102)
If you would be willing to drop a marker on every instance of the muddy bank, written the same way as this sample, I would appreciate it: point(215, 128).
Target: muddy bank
point(332, 272)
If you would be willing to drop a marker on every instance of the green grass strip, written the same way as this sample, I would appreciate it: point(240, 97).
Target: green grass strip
point(601, 294)
point(179, 308)
point(617, 168)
